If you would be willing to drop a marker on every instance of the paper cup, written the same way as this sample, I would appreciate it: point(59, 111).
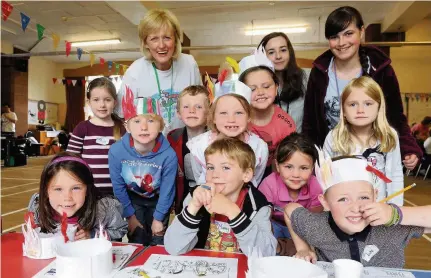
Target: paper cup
point(347, 268)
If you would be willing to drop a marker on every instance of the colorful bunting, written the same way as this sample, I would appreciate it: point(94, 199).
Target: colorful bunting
point(117, 68)
point(40, 30)
point(54, 80)
point(69, 81)
point(92, 58)
point(6, 9)
point(83, 82)
point(109, 65)
point(74, 82)
point(68, 48)
point(55, 40)
point(63, 81)
point(101, 61)
point(124, 69)
point(79, 52)
point(25, 20)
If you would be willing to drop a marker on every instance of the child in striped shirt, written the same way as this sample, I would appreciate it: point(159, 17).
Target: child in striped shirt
point(93, 138)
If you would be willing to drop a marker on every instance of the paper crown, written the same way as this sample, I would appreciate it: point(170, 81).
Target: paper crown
point(232, 87)
point(137, 106)
point(38, 245)
point(329, 173)
point(259, 58)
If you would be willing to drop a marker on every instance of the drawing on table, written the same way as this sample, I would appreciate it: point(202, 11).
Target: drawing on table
point(183, 267)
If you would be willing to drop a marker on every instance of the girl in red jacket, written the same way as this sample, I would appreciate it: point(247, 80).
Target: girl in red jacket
point(346, 60)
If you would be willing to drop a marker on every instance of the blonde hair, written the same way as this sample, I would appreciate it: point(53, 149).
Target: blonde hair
point(155, 20)
point(382, 131)
point(234, 149)
point(211, 115)
point(153, 117)
point(194, 90)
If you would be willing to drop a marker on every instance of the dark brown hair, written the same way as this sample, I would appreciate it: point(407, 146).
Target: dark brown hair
point(243, 75)
point(339, 20)
point(293, 76)
point(103, 82)
point(87, 213)
point(293, 143)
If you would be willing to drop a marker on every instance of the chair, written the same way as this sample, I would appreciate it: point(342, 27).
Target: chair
point(426, 162)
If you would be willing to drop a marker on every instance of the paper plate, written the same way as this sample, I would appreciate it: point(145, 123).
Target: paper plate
point(282, 267)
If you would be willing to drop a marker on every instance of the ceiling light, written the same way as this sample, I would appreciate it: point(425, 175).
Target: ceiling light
point(290, 30)
point(100, 42)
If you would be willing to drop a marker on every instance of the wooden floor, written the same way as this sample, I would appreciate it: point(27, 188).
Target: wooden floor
point(19, 183)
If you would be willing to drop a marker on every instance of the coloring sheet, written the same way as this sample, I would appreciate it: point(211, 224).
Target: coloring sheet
point(122, 255)
point(162, 266)
point(370, 272)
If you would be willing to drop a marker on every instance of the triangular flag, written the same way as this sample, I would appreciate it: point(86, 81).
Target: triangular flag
point(54, 80)
point(92, 58)
point(63, 81)
point(68, 48)
point(74, 82)
point(25, 20)
point(101, 61)
point(109, 65)
point(6, 9)
point(83, 82)
point(117, 68)
point(55, 40)
point(40, 30)
point(116, 79)
point(59, 81)
point(124, 69)
point(79, 52)
point(69, 81)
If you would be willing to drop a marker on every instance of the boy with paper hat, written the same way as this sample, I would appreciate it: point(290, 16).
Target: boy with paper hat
point(353, 225)
point(143, 167)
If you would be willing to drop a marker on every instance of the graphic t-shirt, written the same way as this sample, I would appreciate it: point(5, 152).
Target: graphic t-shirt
point(220, 236)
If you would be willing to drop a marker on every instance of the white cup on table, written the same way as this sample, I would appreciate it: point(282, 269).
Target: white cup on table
point(347, 268)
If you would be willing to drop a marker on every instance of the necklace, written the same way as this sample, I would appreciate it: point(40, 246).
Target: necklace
point(169, 101)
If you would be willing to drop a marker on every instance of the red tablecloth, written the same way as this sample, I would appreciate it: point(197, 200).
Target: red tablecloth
point(15, 265)
point(242, 259)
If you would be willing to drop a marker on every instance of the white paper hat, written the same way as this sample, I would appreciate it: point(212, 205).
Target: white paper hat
point(257, 59)
point(330, 173)
point(232, 87)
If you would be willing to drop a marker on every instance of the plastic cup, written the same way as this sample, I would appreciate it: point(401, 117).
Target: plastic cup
point(347, 268)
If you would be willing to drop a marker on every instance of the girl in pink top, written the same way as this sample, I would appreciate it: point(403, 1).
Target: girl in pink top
point(268, 121)
point(293, 181)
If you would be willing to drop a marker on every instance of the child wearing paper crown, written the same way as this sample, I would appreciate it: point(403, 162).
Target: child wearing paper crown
point(354, 226)
point(229, 116)
point(293, 181)
point(67, 187)
point(143, 167)
point(227, 213)
point(192, 108)
point(364, 130)
point(268, 120)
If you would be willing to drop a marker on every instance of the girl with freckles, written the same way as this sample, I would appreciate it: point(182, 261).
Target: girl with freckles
point(347, 59)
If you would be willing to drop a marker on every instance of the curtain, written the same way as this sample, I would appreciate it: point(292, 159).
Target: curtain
point(75, 102)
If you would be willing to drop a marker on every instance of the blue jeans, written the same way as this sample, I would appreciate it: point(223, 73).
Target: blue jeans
point(144, 210)
point(280, 231)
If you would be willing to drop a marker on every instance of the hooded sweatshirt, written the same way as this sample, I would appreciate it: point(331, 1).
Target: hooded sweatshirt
point(151, 175)
point(314, 124)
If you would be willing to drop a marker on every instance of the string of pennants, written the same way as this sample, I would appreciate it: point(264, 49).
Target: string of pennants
point(42, 31)
point(419, 97)
point(79, 82)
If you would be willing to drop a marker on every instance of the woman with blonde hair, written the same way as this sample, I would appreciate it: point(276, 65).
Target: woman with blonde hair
point(364, 130)
point(163, 72)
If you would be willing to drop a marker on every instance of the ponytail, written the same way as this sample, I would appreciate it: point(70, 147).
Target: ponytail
point(117, 126)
